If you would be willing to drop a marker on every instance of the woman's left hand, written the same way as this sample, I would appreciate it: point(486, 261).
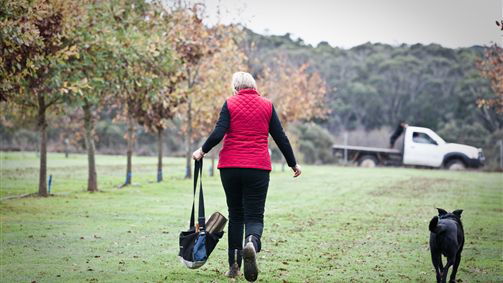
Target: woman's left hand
point(296, 171)
point(198, 154)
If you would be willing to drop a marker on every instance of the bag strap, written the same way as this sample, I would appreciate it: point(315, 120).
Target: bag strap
point(201, 218)
point(198, 173)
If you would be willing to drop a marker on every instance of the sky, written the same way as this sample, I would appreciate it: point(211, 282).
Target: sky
point(347, 23)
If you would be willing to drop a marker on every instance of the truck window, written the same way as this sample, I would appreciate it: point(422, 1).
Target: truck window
point(422, 138)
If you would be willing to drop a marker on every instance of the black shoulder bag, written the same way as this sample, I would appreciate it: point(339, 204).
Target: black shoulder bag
point(197, 243)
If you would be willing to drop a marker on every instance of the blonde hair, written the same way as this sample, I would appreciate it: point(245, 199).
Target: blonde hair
point(242, 80)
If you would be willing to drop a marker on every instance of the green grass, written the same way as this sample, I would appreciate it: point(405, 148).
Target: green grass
point(333, 224)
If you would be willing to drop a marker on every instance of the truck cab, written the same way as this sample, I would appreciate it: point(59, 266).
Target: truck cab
point(423, 147)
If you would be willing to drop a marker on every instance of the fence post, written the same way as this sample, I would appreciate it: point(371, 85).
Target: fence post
point(501, 153)
point(49, 185)
point(345, 148)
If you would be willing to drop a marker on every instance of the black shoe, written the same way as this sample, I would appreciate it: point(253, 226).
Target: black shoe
point(234, 264)
point(250, 261)
point(233, 271)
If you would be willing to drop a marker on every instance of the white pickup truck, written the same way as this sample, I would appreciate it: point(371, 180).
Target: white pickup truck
point(421, 147)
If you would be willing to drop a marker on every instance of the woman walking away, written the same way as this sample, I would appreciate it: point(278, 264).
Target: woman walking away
point(246, 120)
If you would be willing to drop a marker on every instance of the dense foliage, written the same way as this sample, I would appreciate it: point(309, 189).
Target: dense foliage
point(377, 85)
point(314, 142)
point(36, 39)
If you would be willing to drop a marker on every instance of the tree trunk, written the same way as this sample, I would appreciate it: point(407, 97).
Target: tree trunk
point(159, 152)
point(188, 168)
point(130, 137)
point(42, 125)
point(92, 184)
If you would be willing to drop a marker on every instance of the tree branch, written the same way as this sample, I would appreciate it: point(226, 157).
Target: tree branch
point(52, 102)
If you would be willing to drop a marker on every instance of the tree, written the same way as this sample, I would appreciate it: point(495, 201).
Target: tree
point(159, 110)
point(143, 60)
point(123, 49)
point(35, 42)
point(91, 67)
point(192, 41)
point(298, 95)
point(491, 67)
point(215, 81)
point(315, 143)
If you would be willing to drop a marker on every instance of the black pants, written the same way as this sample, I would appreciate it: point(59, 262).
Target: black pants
point(246, 191)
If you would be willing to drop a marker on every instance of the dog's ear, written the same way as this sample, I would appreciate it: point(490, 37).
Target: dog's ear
point(457, 212)
point(441, 211)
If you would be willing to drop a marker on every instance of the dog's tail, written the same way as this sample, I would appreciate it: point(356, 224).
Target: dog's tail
point(433, 224)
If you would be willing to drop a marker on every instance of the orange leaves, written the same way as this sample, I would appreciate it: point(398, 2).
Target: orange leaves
point(35, 36)
point(215, 78)
point(209, 57)
point(158, 110)
point(68, 52)
point(491, 67)
point(297, 93)
point(188, 36)
point(75, 87)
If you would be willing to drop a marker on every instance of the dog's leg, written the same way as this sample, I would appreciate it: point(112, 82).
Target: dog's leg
point(436, 259)
point(455, 268)
point(450, 261)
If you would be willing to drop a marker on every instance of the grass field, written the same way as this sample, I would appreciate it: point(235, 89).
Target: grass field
point(332, 224)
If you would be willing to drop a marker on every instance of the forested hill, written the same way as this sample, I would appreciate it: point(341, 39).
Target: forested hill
point(375, 85)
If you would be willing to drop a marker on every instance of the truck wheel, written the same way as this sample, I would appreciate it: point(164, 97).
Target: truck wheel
point(367, 161)
point(455, 164)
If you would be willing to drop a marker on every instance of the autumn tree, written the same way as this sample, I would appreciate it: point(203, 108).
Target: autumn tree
point(215, 81)
point(36, 39)
point(122, 58)
point(192, 41)
point(92, 68)
point(491, 67)
point(142, 60)
point(159, 111)
point(298, 94)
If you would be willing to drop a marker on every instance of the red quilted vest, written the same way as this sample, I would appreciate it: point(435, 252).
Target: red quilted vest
point(246, 141)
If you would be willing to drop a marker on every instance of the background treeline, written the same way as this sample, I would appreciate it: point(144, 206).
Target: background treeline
point(149, 78)
point(371, 87)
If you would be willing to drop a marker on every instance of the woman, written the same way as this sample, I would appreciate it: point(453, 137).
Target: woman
point(246, 120)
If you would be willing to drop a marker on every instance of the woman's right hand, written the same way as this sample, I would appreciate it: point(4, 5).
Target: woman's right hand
point(198, 154)
point(296, 171)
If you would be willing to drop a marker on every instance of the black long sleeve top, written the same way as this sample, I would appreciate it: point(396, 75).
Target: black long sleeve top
point(396, 134)
point(275, 130)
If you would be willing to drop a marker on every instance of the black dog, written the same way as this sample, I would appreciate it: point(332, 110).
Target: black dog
point(446, 238)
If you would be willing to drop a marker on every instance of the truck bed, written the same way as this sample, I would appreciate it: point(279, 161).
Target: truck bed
point(381, 156)
point(367, 149)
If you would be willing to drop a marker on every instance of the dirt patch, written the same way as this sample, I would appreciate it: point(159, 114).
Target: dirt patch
point(413, 187)
point(498, 209)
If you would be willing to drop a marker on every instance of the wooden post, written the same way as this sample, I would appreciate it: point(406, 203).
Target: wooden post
point(501, 153)
point(345, 148)
point(159, 154)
